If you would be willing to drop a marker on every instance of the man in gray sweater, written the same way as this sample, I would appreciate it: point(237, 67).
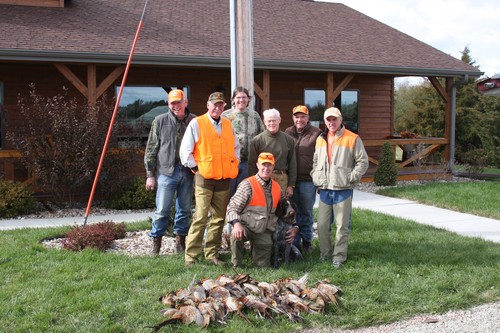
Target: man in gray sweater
point(165, 172)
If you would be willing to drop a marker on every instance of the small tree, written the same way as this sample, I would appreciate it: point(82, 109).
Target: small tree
point(387, 171)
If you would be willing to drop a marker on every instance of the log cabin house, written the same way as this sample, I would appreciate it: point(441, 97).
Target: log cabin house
point(305, 52)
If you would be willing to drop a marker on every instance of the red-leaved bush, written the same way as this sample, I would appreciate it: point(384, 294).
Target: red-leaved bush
point(98, 236)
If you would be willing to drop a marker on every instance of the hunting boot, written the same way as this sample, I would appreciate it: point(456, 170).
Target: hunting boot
point(155, 251)
point(180, 244)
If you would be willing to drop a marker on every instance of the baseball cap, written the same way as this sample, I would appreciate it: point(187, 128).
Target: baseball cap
point(216, 97)
point(266, 158)
point(332, 112)
point(175, 95)
point(300, 109)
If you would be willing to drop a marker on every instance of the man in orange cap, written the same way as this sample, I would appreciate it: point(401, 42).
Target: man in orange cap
point(339, 162)
point(165, 172)
point(251, 211)
point(304, 194)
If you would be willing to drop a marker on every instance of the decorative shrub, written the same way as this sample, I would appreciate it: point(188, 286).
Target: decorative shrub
point(61, 141)
point(133, 196)
point(98, 236)
point(15, 199)
point(387, 171)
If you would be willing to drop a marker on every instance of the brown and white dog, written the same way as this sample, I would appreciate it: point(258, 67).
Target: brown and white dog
point(283, 251)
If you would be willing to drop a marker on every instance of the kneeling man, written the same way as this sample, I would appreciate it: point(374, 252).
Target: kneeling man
point(251, 211)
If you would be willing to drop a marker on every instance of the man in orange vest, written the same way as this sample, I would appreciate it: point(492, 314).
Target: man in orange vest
point(251, 211)
point(339, 161)
point(212, 151)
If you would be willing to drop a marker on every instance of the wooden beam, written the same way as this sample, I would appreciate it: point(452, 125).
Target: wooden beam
point(440, 89)
point(91, 84)
point(264, 92)
point(72, 78)
point(108, 81)
point(380, 142)
point(9, 153)
point(374, 161)
point(427, 151)
point(342, 85)
point(37, 3)
point(329, 89)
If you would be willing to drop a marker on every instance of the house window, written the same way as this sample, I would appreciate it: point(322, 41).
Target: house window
point(315, 100)
point(139, 105)
point(349, 108)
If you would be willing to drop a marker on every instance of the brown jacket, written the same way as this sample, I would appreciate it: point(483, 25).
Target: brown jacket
point(304, 149)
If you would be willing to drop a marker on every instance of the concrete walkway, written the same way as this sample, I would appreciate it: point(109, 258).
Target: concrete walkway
point(77, 220)
point(460, 223)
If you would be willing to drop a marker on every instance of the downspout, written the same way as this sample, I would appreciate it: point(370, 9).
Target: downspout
point(453, 117)
point(453, 127)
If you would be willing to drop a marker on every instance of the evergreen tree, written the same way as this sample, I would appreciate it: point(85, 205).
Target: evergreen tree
point(420, 110)
point(387, 171)
point(477, 122)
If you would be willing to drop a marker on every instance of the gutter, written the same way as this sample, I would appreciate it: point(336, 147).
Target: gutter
point(225, 62)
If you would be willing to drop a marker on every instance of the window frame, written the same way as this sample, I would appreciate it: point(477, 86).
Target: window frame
point(316, 117)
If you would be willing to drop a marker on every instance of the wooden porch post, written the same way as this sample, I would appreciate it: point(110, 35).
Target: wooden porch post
point(445, 93)
point(329, 89)
point(91, 84)
point(264, 92)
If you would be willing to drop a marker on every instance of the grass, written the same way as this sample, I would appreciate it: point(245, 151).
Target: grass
point(478, 198)
point(396, 269)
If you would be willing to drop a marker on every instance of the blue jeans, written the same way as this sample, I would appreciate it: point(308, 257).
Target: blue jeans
point(181, 182)
point(242, 174)
point(304, 196)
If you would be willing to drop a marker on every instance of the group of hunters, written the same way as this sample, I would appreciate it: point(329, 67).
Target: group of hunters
point(239, 166)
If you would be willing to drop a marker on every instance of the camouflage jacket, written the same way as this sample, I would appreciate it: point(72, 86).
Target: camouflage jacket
point(246, 126)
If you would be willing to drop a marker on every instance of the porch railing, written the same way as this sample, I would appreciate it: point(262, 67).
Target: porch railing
point(412, 152)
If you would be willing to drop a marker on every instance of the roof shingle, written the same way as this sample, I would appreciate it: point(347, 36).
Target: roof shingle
point(287, 33)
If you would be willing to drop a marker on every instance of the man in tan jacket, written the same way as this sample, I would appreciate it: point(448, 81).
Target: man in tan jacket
point(339, 162)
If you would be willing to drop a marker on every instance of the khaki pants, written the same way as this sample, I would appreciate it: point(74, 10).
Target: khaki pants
point(342, 215)
point(282, 179)
point(206, 197)
point(261, 245)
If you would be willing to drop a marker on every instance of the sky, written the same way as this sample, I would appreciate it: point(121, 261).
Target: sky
point(447, 25)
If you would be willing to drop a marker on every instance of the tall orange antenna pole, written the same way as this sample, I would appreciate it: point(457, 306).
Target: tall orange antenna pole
point(115, 112)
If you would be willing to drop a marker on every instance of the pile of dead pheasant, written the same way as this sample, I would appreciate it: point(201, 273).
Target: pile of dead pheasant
point(213, 301)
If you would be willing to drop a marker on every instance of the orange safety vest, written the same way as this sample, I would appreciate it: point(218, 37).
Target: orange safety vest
point(255, 215)
point(214, 154)
point(258, 196)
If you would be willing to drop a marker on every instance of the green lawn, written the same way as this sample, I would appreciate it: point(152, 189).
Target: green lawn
point(396, 269)
point(479, 198)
